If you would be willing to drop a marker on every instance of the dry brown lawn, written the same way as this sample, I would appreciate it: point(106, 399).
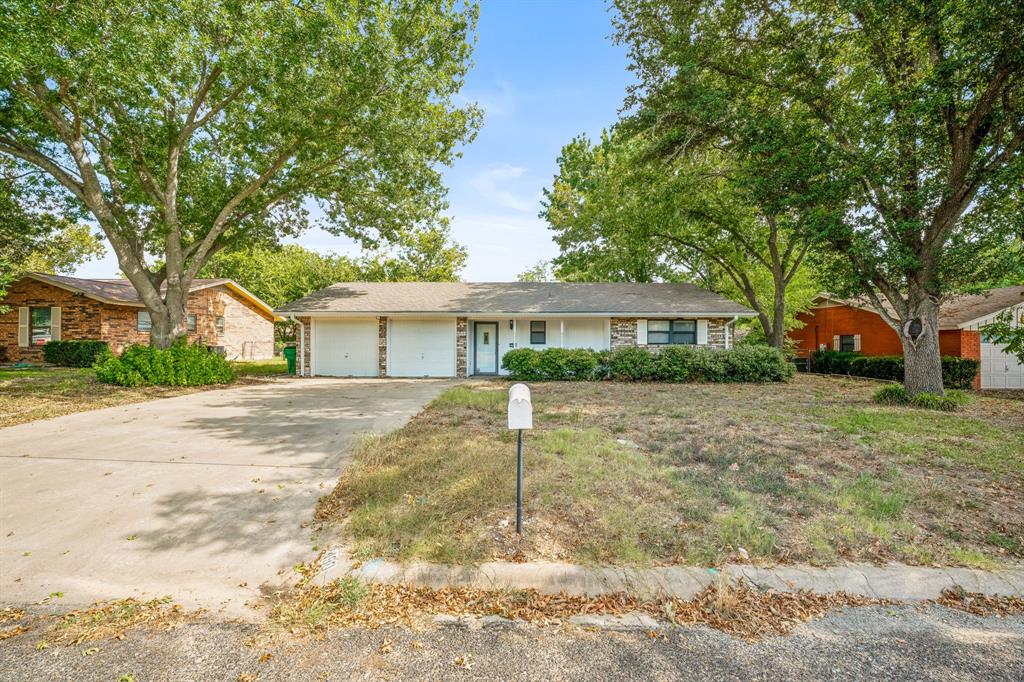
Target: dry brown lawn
point(44, 392)
point(640, 474)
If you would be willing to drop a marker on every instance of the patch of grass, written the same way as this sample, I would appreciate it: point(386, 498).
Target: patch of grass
point(923, 435)
point(641, 474)
point(1005, 542)
point(260, 368)
point(314, 608)
point(41, 393)
point(973, 558)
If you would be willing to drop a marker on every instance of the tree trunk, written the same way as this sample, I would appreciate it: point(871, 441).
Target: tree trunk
point(169, 324)
point(922, 362)
point(778, 337)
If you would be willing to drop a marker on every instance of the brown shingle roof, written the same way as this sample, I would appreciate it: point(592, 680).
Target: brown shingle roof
point(514, 297)
point(111, 290)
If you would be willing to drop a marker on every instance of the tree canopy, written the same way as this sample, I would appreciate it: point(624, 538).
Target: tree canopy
point(187, 127)
point(917, 107)
point(623, 211)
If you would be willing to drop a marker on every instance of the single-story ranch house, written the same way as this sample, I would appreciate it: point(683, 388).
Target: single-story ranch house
point(52, 307)
point(850, 325)
point(457, 329)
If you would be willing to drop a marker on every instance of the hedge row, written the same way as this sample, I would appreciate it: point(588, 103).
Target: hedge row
point(896, 394)
point(76, 353)
point(180, 365)
point(956, 372)
point(671, 364)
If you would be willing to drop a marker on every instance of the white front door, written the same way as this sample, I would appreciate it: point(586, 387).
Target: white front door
point(345, 348)
point(485, 348)
point(1000, 369)
point(421, 348)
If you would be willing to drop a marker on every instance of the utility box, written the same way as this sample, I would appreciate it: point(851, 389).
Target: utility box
point(520, 407)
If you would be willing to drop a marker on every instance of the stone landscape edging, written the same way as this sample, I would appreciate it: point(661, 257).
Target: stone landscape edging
point(892, 581)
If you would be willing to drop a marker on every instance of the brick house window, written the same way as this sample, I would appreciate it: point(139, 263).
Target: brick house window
point(144, 323)
point(40, 326)
point(847, 343)
point(220, 325)
point(538, 332)
point(191, 322)
point(663, 332)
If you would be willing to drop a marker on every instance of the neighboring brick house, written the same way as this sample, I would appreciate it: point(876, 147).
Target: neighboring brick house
point(447, 329)
point(44, 307)
point(838, 324)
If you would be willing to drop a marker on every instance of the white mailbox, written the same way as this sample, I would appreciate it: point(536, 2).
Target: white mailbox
point(520, 408)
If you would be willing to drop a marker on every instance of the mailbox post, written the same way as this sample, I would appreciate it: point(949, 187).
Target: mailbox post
point(520, 416)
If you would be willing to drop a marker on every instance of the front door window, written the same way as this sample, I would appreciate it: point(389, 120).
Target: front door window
point(486, 347)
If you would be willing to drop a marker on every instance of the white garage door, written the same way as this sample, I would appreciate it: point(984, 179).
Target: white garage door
point(345, 348)
point(421, 348)
point(1000, 369)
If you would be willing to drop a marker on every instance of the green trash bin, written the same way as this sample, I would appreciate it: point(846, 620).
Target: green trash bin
point(289, 355)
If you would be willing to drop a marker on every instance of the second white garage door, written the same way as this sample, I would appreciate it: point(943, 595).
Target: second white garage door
point(421, 348)
point(345, 348)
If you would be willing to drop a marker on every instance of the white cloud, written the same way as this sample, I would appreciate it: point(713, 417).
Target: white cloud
point(493, 186)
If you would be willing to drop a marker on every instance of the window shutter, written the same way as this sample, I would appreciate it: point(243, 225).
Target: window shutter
point(856, 343)
point(641, 332)
point(835, 343)
point(702, 332)
point(23, 327)
point(55, 324)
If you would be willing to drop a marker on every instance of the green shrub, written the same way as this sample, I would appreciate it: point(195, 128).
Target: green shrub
point(896, 394)
point(632, 364)
point(670, 364)
point(76, 353)
point(552, 364)
point(956, 372)
point(180, 365)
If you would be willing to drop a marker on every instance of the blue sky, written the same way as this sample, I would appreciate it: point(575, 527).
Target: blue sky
point(544, 71)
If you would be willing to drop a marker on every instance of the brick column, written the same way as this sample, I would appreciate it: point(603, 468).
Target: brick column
point(307, 355)
point(461, 360)
point(970, 347)
point(623, 332)
point(716, 333)
point(382, 346)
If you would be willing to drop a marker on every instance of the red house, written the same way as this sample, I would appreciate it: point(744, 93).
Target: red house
point(849, 325)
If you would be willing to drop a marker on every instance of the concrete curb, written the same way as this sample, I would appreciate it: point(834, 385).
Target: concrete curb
point(893, 581)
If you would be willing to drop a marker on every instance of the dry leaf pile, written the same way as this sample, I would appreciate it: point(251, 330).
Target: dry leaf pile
point(738, 610)
point(111, 620)
point(981, 604)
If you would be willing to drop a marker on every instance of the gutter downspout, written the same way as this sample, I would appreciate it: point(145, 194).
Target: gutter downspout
point(302, 345)
point(727, 325)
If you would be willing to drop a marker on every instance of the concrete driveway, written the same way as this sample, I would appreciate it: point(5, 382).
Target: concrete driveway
point(202, 497)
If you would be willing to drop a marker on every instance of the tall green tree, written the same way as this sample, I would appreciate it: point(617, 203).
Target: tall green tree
point(36, 233)
point(186, 127)
point(281, 274)
point(621, 209)
point(918, 105)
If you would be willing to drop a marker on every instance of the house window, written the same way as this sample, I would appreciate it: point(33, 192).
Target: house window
point(661, 332)
point(40, 326)
point(220, 325)
point(847, 344)
point(191, 322)
point(538, 332)
point(144, 323)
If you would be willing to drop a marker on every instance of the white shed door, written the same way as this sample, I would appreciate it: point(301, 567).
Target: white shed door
point(422, 348)
point(345, 348)
point(1000, 369)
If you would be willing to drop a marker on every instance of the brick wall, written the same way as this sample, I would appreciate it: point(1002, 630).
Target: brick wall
point(79, 316)
point(248, 331)
point(623, 332)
